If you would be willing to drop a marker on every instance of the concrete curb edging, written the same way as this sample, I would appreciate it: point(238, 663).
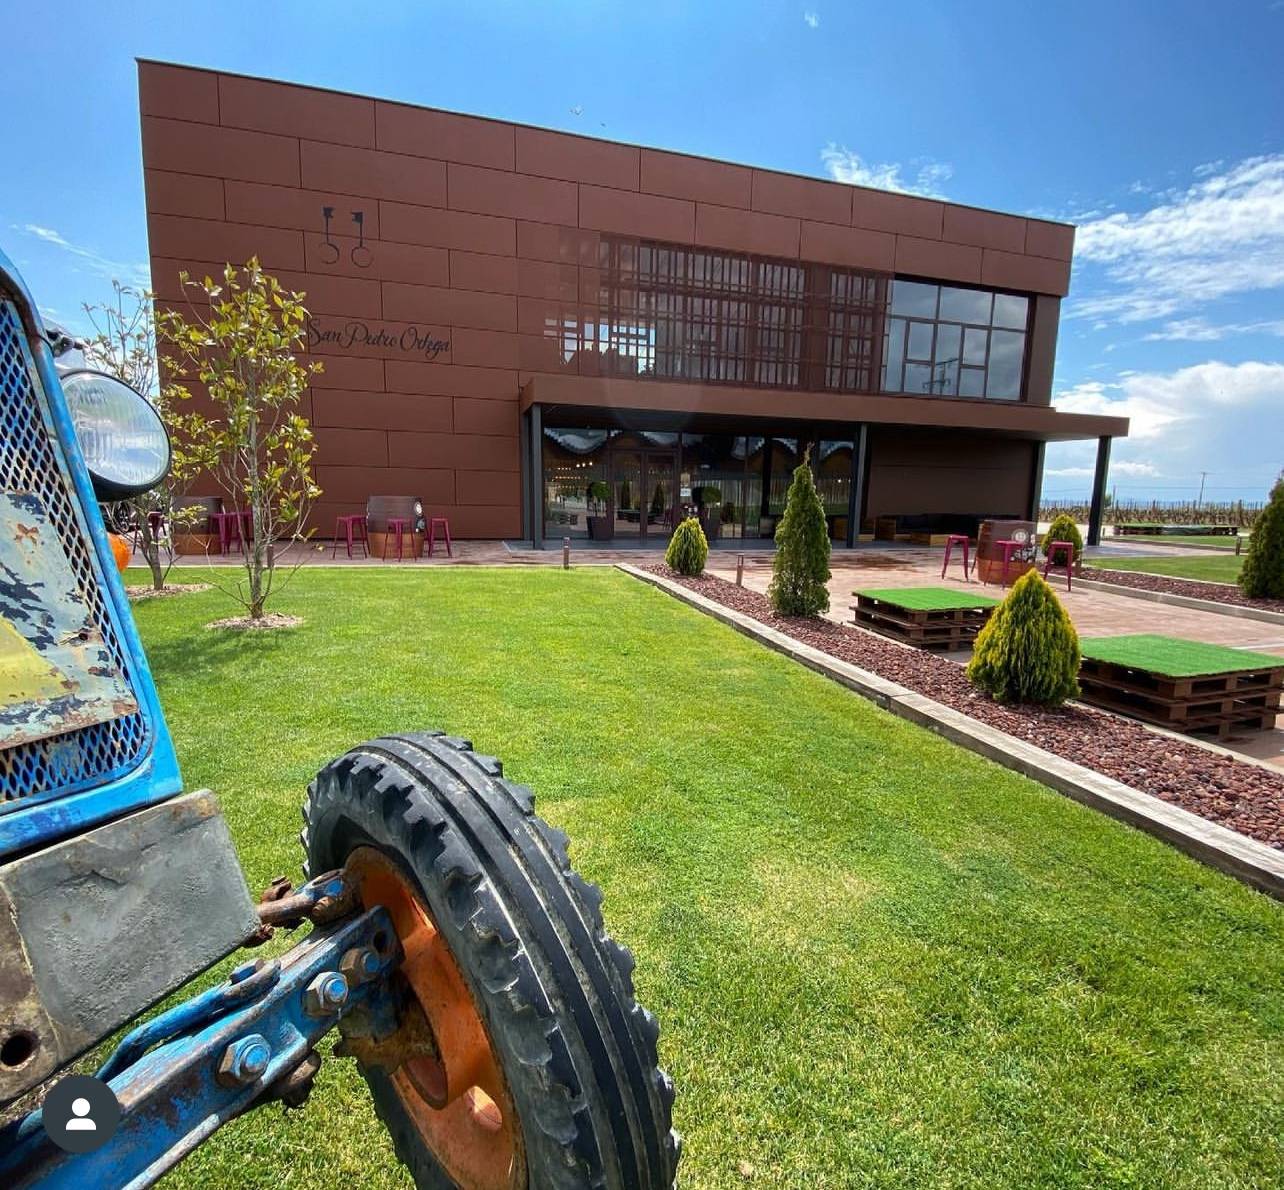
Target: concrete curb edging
point(1246, 859)
point(1201, 605)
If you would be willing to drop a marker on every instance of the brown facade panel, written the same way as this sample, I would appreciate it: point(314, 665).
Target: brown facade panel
point(374, 172)
point(355, 485)
point(577, 158)
point(485, 383)
point(938, 260)
point(336, 255)
point(983, 229)
point(447, 229)
point(522, 196)
point(177, 92)
point(544, 279)
point(474, 416)
point(204, 239)
point(851, 246)
point(350, 374)
point(807, 198)
point(444, 136)
point(452, 307)
point(629, 213)
point(461, 452)
point(500, 488)
point(341, 409)
point(899, 213)
point(350, 447)
point(184, 194)
point(483, 272)
point(918, 472)
point(676, 176)
point(1006, 270)
point(322, 295)
point(747, 231)
point(183, 147)
point(295, 111)
point(1054, 240)
point(488, 349)
point(564, 245)
point(288, 206)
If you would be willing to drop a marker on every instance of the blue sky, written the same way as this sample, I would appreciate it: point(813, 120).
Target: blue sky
point(1157, 127)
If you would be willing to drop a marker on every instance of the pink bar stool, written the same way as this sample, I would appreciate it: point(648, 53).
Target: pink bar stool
point(353, 528)
point(1059, 547)
point(228, 525)
point(397, 525)
point(1009, 547)
point(950, 542)
point(433, 523)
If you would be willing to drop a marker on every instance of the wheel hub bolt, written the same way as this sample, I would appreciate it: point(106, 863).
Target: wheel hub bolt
point(326, 994)
point(359, 965)
point(244, 1061)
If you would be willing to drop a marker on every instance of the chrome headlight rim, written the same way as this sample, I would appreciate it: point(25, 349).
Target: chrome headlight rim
point(110, 486)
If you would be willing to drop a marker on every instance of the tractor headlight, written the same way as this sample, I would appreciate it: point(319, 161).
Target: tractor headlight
point(122, 437)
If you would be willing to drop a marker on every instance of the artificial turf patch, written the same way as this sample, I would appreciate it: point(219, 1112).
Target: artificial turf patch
point(927, 599)
point(1173, 657)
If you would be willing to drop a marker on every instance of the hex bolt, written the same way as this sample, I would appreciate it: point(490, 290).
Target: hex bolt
point(244, 1061)
point(359, 965)
point(326, 994)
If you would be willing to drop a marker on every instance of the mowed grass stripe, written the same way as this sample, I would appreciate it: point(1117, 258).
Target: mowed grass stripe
point(877, 959)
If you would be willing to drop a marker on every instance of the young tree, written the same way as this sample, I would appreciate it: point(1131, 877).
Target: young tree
point(124, 345)
point(688, 548)
point(1029, 650)
point(1263, 574)
point(239, 344)
point(800, 568)
point(1063, 528)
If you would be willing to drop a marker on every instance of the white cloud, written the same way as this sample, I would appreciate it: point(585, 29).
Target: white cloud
point(1200, 330)
point(845, 166)
point(812, 18)
point(129, 274)
point(1116, 468)
point(1223, 235)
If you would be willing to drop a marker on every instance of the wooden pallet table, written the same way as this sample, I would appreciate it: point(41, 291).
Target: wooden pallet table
point(1183, 685)
point(926, 617)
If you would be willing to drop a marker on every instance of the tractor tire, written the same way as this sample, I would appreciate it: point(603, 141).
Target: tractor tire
point(565, 1088)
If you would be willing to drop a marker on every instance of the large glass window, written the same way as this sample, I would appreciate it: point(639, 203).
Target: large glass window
point(945, 340)
point(576, 480)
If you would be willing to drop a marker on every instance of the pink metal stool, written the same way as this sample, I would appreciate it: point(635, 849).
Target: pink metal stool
point(1009, 547)
point(353, 529)
point(432, 534)
point(950, 542)
point(229, 526)
point(1055, 548)
point(398, 525)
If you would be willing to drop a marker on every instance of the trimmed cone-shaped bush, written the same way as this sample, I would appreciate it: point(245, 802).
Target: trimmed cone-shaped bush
point(1263, 574)
point(688, 548)
point(1029, 651)
point(1063, 528)
point(800, 568)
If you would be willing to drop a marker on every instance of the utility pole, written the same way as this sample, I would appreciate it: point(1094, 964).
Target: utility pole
point(1203, 475)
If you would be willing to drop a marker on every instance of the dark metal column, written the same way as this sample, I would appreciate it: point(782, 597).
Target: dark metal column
point(1036, 480)
point(860, 469)
point(524, 466)
point(537, 477)
point(1098, 490)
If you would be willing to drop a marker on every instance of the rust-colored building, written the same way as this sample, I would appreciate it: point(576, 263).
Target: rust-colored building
point(547, 335)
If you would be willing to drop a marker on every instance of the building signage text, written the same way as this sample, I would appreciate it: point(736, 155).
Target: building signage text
point(354, 333)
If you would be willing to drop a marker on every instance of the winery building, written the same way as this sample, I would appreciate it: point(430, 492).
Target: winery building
point(545, 335)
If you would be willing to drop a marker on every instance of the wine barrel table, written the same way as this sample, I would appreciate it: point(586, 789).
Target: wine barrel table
point(194, 533)
point(1183, 685)
point(926, 617)
point(991, 548)
point(382, 509)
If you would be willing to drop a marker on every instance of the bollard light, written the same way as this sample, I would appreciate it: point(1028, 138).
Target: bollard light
point(566, 553)
point(740, 570)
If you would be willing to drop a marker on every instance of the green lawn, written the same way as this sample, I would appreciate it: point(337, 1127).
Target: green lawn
point(878, 960)
point(927, 599)
point(1221, 543)
point(1214, 568)
point(1174, 657)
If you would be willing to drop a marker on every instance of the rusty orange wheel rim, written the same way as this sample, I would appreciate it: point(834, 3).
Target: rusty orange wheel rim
point(460, 1102)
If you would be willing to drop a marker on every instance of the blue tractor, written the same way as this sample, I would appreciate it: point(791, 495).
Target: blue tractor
point(463, 962)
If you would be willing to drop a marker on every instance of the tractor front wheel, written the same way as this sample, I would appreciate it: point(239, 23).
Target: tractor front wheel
point(541, 1069)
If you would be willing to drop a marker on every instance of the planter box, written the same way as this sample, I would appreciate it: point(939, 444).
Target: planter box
point(189, 545)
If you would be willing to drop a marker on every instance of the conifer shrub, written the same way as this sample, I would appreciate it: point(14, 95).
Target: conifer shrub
point(1029, 650)
point(1262, 576)
point(1063, 528)
point(688, 548)
point(800, 568)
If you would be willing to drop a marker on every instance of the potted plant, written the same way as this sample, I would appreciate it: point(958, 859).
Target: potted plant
point(708, 504)
point(598, 496)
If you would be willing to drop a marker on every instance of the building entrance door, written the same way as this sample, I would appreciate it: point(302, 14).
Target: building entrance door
point(643, 493)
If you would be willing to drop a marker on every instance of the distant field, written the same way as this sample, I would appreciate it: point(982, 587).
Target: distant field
point(1211, 568)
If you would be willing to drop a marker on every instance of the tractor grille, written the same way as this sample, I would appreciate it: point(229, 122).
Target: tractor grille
point(31, 461)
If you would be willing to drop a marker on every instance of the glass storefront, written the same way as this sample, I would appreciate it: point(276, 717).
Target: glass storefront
point(626, 486)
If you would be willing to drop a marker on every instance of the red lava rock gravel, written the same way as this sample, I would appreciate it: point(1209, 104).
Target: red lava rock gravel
point(1217, 592)
point(1241, 796)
